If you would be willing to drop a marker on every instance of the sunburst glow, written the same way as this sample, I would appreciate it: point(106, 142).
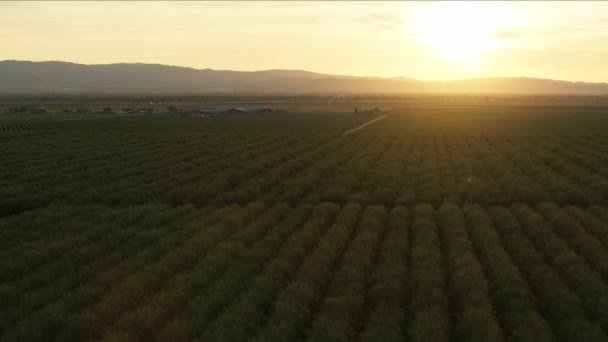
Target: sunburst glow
point(462, 33)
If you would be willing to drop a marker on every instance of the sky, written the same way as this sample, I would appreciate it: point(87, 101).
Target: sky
point(423, 40)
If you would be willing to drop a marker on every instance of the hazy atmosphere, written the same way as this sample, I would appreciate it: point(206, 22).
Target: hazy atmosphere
point(266, 171)
point(423, 40)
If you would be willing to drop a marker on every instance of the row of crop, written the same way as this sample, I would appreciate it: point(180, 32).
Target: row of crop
point(340, 315)
point(149, 182)
point(90, 259)
point(387, 174)
point(345, 174)
point(428, 185)
point(292, 310)
point(219, 275)
point(441, 169)
point(556, 186)
point(206, 190)
point(23, 126)
point(558, 303)
point(407, 180)
point(308, 183)
point(592, 223)
point(388, 291)
point(579, 150)
point(124, 281)
point(18, 230)
point(135, 180)
point(130, 169)
point(553, 157)
point(302, 170)
point(93, 148)
point(379, 174)
point(164, 184)
point(75, 244)
point(577, 236)
point(515, 179)
point(467, 284)
point(124, 154)
point(203, 309)
point(518, 181)
point(447, 273)
point(457, 169)
point(240, 320)
point(472, 181)
point(138, 183)
point(498, 170)
point(208, 161)
point(514, 302)
point(597, 140)
point(591, 155)
point(451, 175)
point(429, 314)
point(73, 232)
point(55, 179)
point(42, 152)
point(121, 154)
point(111, 177)
point(584, 280)
point(86, 279)
point(365, 165)
point(193, 262)
point(494, 181)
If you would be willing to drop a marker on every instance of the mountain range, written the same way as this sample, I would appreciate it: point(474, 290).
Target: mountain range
point(25, 77)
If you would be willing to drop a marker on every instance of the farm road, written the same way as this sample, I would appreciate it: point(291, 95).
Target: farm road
point(353, 130)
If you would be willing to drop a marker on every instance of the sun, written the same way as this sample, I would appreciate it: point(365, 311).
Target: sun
point(462, 33)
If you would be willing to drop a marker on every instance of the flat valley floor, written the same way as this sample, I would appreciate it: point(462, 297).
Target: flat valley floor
point(436, 223)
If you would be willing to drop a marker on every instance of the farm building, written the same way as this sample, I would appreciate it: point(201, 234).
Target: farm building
point(234, 109)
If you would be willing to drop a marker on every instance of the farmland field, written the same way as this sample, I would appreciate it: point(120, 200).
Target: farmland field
point(436, 223)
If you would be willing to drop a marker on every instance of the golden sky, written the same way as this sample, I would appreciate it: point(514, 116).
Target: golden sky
point(423, 40)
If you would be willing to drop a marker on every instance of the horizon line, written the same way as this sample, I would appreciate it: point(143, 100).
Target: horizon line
point(314, 72)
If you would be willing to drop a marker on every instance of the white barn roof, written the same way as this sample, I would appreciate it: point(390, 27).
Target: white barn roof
point(226, 108)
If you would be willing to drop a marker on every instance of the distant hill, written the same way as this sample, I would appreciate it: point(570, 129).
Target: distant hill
point(63, 77)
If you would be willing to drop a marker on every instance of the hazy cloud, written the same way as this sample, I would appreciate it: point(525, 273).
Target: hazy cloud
point(532, 32)
point(603, 20)
point(509, 34)
point(382, 20)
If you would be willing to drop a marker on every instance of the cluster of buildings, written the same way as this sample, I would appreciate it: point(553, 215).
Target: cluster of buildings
point(24, 109)
point(207, 109)
point(108, 110)
point(213, 109)
point(233, 109)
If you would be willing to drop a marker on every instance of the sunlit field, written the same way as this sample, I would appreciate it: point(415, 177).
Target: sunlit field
point(436, 223)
